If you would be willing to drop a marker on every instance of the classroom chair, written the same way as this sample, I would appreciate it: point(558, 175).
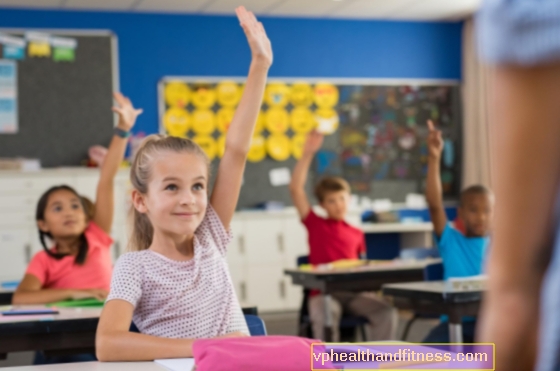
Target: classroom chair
point(432, 272)
point(256, 325)
point(346, 322)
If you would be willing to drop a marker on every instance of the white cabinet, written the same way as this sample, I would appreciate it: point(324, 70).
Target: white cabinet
point(15, 253)
point(265, 240)
point(266, 287)
point(295, 236)
point(264, 245)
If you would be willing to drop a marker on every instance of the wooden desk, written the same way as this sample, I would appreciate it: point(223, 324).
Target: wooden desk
point(433, 298)
point(366, 278)
point(73, 330)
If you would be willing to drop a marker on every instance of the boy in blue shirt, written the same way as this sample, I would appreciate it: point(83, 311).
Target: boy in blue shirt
point(462, 254)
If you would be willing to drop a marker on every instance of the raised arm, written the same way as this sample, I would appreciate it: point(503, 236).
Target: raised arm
point(299, 176)
point(104, 202)
point(31, 291)
point(434, 194)
point(238, 139)
point(526, 173)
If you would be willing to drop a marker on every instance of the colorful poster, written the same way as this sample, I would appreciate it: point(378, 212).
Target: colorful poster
point(64, 49)
point(13, 47)
point(39, 44)
point(8, 97)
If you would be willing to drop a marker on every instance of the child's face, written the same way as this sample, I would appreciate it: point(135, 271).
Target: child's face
point(476, 213)
point(64, 215)
point(336, 204)
point(177, 194)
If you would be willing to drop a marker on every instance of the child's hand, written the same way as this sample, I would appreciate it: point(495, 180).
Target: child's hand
point(435, 142)
point(261, 50)
point(126, 111)
point(313, 143)
point(98, 294)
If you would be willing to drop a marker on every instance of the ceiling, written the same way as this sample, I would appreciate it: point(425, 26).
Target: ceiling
point(357, 9)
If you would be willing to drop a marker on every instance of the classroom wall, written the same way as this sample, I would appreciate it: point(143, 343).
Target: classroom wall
point(154, 45)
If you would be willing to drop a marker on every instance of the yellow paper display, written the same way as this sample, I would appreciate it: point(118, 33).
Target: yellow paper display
point(298, 142)
point(203, 97)
point(37, 49)
point(208, 145)
point(223, 118)
point(203, 122)
point(257, 152)
point(277, 94)
point(277, 120)
point(221, 146)
point(301, 94)
point(176, 121)
point(327, 120)
point(278, 147)
point(326, 95)
point(177, 94)
point(302, 120)
point(228, 94)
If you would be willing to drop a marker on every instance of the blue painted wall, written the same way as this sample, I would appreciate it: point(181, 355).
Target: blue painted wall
point(154, 45)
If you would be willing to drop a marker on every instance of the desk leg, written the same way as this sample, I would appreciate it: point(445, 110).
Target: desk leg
point(456, 336)
point(328, 318)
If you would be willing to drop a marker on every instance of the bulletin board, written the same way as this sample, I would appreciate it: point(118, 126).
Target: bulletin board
point(377, 129)
point(65, 81)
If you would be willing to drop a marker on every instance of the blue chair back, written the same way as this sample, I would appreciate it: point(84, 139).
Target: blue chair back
point(433, 272)
point(301, 260)
point(256, 325)
point(419, 253)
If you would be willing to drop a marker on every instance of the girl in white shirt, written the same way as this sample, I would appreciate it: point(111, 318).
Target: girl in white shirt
point(176, 285)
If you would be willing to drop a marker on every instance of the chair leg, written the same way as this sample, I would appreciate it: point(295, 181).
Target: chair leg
point(408, 326)
point(363, 332)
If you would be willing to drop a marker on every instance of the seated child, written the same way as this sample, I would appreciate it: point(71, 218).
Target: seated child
point(79, 264)
point(462, 254)
point(332, 239)
point(175, 284)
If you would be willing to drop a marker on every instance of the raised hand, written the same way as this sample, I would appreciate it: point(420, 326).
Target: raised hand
point(435, 141)
point(126, 111)
point(261, 50)
point(313, 142)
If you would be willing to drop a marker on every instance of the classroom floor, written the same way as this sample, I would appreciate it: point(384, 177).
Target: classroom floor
point(284, 323)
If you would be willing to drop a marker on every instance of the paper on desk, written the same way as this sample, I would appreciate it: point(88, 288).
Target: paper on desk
point(27, 318)
point(177, 364)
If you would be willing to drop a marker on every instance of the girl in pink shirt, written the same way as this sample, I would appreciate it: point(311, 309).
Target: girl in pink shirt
point(78, 265)
point(175, 284)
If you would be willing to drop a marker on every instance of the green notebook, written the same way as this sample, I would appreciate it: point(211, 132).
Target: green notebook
point(88, 303)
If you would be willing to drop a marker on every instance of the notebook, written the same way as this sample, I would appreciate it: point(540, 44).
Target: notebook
point(177, 364)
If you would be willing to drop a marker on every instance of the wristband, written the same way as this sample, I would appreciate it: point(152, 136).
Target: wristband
point(122, 133)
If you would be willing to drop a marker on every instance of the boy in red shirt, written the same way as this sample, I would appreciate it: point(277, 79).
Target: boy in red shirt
point(332, 239)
